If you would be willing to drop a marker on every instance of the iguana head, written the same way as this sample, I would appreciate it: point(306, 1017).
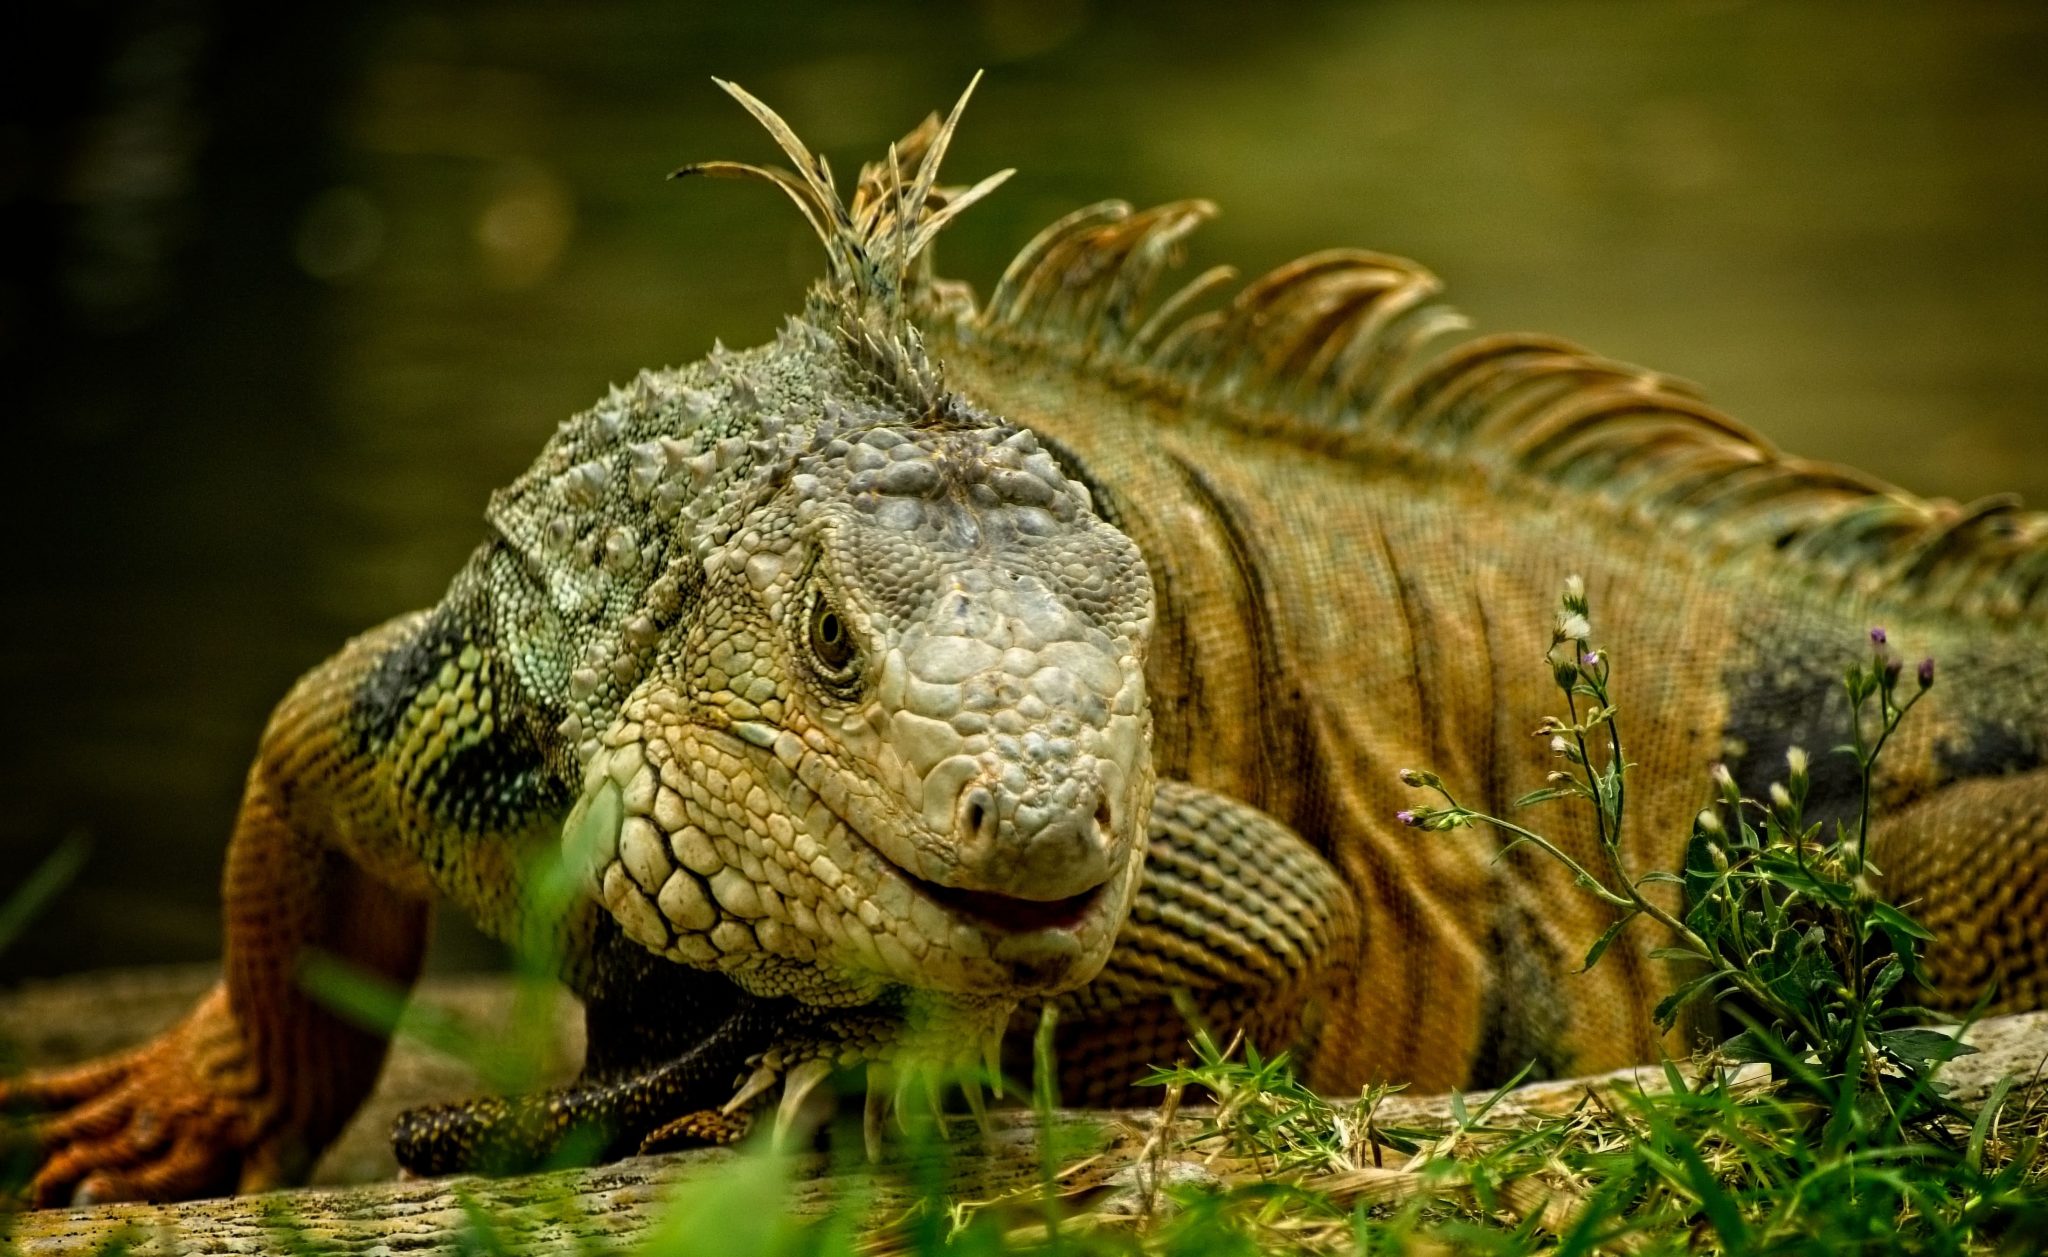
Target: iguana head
point(855, 688)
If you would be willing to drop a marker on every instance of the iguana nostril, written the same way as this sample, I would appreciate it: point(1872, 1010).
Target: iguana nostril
point(975, 819)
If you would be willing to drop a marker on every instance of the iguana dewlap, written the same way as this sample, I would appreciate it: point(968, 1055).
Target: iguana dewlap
point(946, 655)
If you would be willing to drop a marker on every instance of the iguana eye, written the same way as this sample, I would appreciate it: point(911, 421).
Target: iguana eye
point(831, 642)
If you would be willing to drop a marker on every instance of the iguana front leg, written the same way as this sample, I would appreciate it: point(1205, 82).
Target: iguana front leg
point(244, 1092)
point(1238, 921)
point(616, 1112)
point(406, 765)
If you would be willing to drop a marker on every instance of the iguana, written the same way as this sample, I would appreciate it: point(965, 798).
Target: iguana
point(946, 655)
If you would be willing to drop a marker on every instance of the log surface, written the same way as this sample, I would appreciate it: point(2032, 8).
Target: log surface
point(565, 1210)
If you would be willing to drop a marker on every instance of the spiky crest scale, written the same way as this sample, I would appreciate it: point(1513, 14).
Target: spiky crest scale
point(1329, 351)
point(875, 245)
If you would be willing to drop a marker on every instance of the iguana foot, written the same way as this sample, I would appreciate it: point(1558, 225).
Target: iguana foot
point(669, 1103)
point(181, 1116)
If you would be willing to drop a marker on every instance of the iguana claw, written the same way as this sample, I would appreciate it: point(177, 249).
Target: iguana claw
point(901, 1064)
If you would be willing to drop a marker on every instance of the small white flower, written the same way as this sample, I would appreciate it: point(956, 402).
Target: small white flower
point(1574, 628)
point(1781, 798)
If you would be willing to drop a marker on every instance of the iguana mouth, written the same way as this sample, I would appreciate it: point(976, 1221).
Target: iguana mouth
point(990, 909)
point(1007, 913)
point(718, 889)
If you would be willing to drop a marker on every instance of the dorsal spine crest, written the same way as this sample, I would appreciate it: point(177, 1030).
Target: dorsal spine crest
point(1333, 351)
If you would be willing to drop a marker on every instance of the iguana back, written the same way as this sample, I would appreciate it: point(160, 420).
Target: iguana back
point(1357, 543)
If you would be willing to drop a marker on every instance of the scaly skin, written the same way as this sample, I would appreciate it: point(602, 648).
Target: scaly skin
point(942, 656)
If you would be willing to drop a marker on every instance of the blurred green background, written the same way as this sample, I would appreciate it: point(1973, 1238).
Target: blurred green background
point(287, 293)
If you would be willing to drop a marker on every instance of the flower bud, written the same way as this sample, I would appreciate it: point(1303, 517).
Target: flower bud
point(1795, 764)
point(1781, 799)
point(1724, 781)
point(1892, 668)
point(1575, 593)
point(1877, 637)
point(1927, 672)
point(1709, 822)
point(1410, 817)
point(1558, 746)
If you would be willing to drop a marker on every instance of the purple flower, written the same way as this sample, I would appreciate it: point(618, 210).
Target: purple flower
point(1408, 817)
point(1591, 659)
point(1927, 672)
point(1877, 636)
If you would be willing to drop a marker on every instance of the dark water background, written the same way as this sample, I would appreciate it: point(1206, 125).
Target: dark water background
point(286, 294)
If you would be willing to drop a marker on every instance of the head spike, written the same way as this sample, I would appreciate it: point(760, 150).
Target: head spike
point(816, 214)
point(908, 214)
point(942, 217)
point(872, 244)
point(810, 166)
